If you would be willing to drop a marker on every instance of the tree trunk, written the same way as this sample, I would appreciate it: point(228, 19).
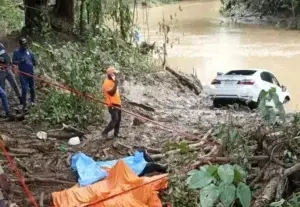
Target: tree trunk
point(35, 9)
point(34, 14)
point(81, 18)
point(65, 10)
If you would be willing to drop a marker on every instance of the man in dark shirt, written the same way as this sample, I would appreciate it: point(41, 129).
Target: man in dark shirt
point(6, 72)
point(26, 61)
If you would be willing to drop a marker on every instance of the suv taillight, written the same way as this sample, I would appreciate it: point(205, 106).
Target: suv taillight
point(215, 82)
point(246, 82)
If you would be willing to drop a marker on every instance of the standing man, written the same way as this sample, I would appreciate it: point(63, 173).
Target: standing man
point(26, 61)
point(6, 72)
point(113, 101)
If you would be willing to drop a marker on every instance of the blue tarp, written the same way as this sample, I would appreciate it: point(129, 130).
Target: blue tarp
point(90, 171)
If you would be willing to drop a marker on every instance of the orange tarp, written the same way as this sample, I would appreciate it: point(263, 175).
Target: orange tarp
point(115, 191)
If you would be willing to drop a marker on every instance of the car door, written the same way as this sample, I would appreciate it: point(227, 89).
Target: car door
point(279, 91)
point(267, 84)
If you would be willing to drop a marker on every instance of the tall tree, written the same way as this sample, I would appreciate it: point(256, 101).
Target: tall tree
point(39, 11)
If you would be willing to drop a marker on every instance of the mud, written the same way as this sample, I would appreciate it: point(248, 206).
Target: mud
point(167, 101)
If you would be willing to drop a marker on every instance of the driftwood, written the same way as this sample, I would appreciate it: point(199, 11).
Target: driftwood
point(268, 193)
point(259, 175)
point(16, 155)
point(42, 199)
point(229, 159)
point(23, 151)
point(194, 85)
point(275, 187)
point(149, 149)
point(44, 180)
point(73, 129)
point(191, 147)
point(143, 106)
point(291, 170)
point(59, 134)
point(66, 132)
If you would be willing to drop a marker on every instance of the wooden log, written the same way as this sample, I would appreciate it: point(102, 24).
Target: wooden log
point(143, 106)
point(22, 151)
point(191, 147)
point(268, 193)
point(228, 159)
point(45, 180)
point(61, 134)
point(196, 86)
point(292, 170)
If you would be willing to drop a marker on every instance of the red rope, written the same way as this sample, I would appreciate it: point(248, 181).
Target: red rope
point(93, 98)
point(18, 173)
point(90, 97)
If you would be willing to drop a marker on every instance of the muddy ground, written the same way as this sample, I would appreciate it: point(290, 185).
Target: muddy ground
point(159, 96)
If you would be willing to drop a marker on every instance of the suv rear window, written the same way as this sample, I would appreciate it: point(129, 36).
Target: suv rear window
point(241, 72)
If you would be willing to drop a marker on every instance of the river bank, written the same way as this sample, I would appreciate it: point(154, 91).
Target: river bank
point(159, 96)
point(204, 42)
point(282, 16)
point(198, 132)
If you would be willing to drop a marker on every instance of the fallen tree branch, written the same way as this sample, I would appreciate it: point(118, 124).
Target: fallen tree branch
point(149, 149)
point(268, 193)
point(280, 188)
point(68, 160)
point(259, 175)
point(291, 170)
point(22, 151)
point(59, 134)
point(73, 129)
point(143, 106)
point(196, 87)
point(42, 199)
point(191, 147)
point(45, 180)
point(230, 159)
point(16, 155)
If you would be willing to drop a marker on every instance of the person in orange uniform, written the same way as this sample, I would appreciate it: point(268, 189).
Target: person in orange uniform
point(113, 101)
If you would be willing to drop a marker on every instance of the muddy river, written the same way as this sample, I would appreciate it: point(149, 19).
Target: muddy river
point(203, 43)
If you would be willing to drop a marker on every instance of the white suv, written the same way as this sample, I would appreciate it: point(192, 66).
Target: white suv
point(245, 85)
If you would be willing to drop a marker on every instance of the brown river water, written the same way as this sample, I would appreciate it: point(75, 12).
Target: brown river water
point(204, 44)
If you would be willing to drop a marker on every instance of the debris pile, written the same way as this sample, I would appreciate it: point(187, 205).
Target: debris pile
point(269, 152)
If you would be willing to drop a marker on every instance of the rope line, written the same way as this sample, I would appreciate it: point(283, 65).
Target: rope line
point(93, 98)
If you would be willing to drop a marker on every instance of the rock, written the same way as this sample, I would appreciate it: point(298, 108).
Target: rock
point(74, 141)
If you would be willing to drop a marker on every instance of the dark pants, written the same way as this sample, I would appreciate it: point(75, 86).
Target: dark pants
point(152, 167)
point(115, 121)
point(27, 82)
point(4, 100)
point(7, 74)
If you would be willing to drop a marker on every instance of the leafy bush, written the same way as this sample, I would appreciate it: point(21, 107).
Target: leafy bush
point(288, 8)
point(11, 17)
point(220, 184)
point(234, 143)
point(58, 107)
point(178, 193)
point(269, 113)
point(81, 66)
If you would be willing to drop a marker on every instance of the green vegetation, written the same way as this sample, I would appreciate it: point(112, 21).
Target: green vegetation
point(286, 11)
point(11, 17)
point(101, 34)
point(224, 184)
